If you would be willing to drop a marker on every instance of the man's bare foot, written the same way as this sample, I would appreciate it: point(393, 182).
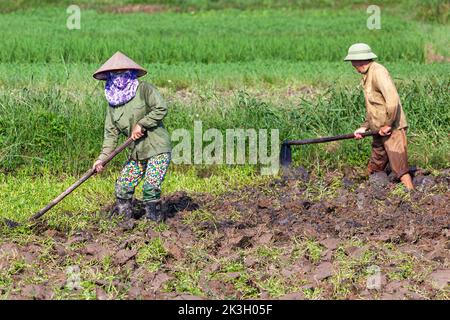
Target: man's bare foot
point(407, 181)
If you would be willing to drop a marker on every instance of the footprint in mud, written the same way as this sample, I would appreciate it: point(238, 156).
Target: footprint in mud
point(297, 173)
point(423, 183)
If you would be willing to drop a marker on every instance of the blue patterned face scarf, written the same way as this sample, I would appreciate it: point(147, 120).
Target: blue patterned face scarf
point(121, 87)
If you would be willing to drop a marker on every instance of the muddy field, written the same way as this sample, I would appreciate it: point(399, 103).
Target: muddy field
point(339, 236)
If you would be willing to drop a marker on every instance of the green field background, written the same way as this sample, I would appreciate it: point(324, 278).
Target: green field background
point(239, 64)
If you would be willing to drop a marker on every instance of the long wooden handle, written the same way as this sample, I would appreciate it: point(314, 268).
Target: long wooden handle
point(86, 176)
point(328, 139)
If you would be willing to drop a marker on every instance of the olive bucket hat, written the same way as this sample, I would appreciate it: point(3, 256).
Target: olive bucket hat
point(360, 51)
point(118, 62)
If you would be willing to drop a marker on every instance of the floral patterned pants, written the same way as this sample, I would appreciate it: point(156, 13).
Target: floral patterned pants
point(152, 171)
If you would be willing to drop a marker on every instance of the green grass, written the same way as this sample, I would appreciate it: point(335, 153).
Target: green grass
point(274, 286)
point(207, 78)
point(428, 10)
point(186, 281)
point(23, 195)
point(36, 126)
point(207, 36)
point(152, 255)
point(351, 271)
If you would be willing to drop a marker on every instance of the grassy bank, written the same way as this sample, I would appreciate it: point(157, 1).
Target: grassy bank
point(38, 125)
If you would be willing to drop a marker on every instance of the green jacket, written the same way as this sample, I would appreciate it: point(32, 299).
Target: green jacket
point(148, 109)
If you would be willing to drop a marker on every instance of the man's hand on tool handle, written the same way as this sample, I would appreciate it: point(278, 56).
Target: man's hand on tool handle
point(358, 132)
point(385, 131)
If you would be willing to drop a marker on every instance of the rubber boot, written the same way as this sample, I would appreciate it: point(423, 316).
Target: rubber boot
point(153, 210)
point(123, 208)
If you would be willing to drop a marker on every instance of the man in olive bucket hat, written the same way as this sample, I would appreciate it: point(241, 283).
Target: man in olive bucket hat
point(136, 110)
point(384, 114)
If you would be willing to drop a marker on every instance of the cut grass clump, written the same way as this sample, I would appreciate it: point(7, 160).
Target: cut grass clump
point(308, 248)
point(351, 272)
point(152, 255)
point(186, 281)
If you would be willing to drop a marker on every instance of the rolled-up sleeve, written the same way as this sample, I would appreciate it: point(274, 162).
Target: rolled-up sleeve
point(386, 87)
point(111, 136)
point(157, 108)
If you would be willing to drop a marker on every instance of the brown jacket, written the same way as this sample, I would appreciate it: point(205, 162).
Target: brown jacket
point(383, 106)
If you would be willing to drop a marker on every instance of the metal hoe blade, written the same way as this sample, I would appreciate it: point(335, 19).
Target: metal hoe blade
point(286, 152)
point(285, 155)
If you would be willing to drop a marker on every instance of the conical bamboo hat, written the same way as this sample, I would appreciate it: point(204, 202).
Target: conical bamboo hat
point(118, 61)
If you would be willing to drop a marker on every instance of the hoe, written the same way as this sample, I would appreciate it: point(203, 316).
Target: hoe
point(87, 175)
point(286, 151)
point(285, 160)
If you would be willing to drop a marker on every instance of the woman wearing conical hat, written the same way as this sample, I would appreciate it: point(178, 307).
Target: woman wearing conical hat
point(136, 110)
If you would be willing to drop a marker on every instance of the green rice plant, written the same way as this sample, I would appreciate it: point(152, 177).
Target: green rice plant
point(210, 80)
point(88, 290)
point(51, 115)
point(205, 37)
point(6, 285)
point(401, 192)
